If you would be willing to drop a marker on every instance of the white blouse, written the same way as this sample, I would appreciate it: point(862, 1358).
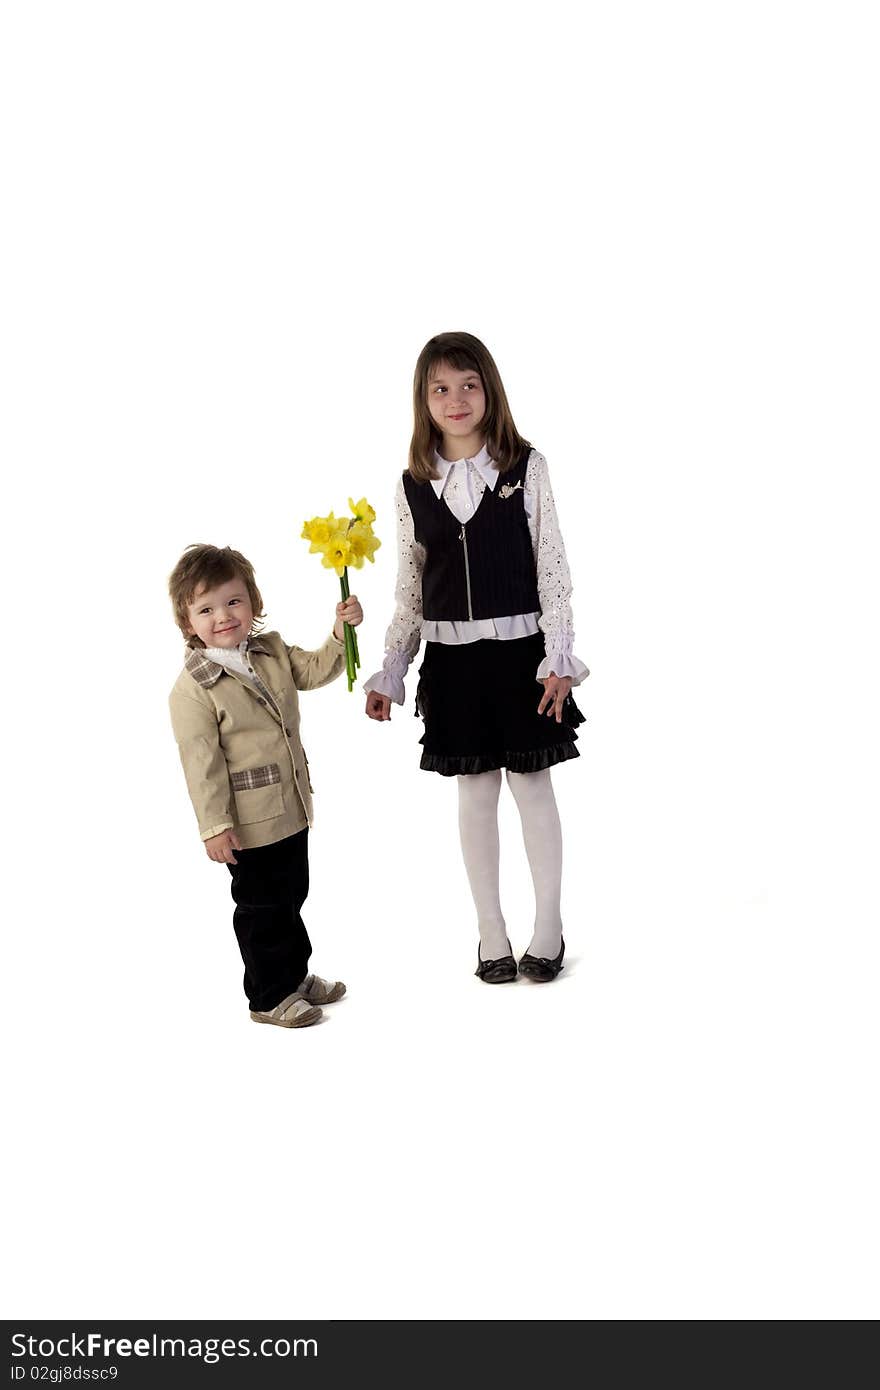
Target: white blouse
point(461, 485)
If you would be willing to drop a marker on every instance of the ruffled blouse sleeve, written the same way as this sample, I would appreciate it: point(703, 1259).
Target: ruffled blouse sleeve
point(404, 633)
point(554, 577)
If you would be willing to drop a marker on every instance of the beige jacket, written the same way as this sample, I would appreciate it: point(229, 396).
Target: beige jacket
point(240, 748)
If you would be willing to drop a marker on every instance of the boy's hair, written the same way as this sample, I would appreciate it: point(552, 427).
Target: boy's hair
point(204, 567)
point(463, 352)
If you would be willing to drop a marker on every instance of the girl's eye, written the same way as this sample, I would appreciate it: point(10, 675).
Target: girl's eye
point(203, 612)
point(234, 600)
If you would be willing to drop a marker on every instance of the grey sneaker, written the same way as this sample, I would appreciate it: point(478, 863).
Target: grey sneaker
point(318, 991)
point(293, 1012)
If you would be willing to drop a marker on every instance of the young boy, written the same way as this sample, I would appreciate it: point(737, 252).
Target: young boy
point(235, 713)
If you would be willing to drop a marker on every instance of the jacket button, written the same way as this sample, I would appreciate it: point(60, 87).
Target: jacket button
point(289, 732)
point(262, 701)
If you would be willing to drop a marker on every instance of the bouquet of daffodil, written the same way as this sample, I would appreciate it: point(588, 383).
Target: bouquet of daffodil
point(342, 542)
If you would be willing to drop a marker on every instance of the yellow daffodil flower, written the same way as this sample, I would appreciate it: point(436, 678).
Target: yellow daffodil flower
point(363, 511)
point(362, 542)
point(319, 531)
point(342, 542)
point(336, 553)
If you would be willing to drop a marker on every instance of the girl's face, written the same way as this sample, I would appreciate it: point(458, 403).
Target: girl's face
point(457, 402)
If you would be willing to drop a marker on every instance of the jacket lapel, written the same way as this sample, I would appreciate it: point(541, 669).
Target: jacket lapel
point(207, 673)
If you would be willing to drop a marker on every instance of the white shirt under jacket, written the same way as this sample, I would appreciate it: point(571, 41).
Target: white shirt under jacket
point(461, 485)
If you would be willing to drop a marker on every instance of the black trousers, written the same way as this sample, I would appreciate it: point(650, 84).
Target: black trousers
point(269, 886)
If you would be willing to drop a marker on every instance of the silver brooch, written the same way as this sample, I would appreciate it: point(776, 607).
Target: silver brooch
point(508, 491)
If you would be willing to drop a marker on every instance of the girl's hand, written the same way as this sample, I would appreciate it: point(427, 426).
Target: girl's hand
point(555, 690)
point(220, 847)
point(378, 706)
point(348, 612)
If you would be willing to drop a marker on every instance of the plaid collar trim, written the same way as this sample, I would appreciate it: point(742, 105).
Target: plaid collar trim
point(207, 672)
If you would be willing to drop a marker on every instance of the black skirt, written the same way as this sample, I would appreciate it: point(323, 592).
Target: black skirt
point(480, 703)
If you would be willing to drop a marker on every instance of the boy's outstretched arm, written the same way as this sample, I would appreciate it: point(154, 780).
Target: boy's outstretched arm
point(314, 669)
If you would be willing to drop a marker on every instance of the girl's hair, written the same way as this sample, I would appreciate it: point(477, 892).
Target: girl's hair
point(463, 352)
point(205, 567)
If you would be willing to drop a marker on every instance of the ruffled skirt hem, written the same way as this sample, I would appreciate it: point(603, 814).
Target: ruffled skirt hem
point(535, 760)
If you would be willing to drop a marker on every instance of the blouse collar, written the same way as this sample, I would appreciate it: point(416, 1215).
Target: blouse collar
point(481, 461)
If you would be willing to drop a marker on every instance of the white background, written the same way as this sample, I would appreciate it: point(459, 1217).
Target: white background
point(229, 229)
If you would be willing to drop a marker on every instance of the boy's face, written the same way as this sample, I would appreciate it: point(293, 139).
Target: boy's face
point(222, 617)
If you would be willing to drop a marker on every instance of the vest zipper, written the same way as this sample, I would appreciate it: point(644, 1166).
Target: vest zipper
point(467, 574)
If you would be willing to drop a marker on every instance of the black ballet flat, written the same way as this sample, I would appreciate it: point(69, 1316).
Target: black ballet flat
point(496, 972)
point(539, 968)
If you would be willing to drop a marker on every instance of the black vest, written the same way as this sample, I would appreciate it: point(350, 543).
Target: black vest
point(484, 568)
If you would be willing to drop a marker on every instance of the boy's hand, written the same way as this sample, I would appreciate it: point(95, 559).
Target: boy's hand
point(556, 689)
point(220, 847)
point(378, 706)
point(348, 612)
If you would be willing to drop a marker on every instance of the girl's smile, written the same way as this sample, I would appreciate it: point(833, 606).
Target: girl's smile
point(457, 404)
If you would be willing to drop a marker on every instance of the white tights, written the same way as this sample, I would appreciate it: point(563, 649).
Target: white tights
point(542, 834)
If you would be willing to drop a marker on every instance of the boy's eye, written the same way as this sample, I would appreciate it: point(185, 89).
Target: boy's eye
point(203, 611)
point(234, 600)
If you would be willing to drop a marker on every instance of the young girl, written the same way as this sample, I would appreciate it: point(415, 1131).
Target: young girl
point(484, 579)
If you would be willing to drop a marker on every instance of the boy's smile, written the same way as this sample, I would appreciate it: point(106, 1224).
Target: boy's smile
point(221, 617)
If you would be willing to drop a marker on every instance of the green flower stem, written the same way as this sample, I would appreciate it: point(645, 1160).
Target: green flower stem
point(349, 656)
point(346, 593)
point(351, 661)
